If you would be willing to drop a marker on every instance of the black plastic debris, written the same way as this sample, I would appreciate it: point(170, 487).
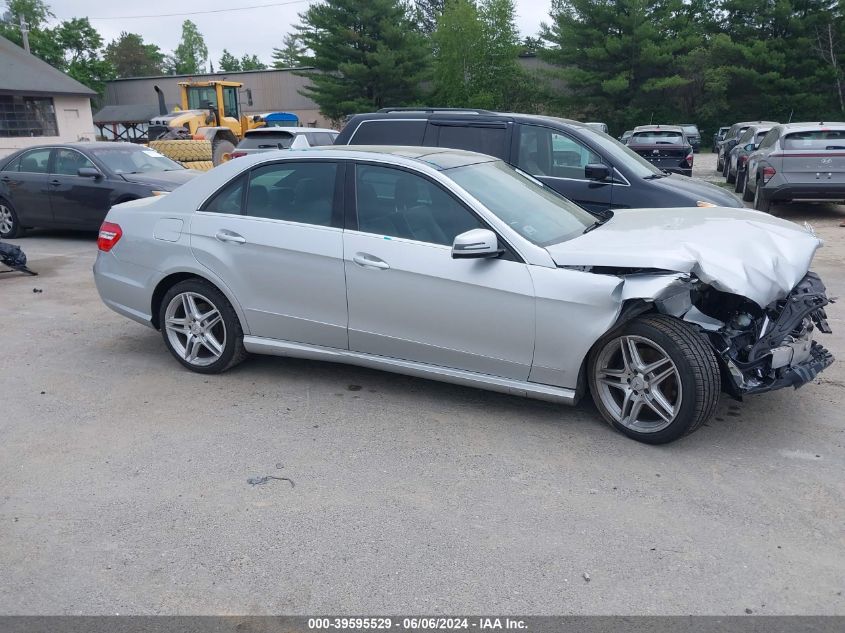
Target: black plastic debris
point(13, 257)
point(260, 481)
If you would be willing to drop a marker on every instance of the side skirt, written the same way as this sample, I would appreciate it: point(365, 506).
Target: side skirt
point(525, 389)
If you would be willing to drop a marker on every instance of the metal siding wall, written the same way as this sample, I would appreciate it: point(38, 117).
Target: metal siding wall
point(271, 90)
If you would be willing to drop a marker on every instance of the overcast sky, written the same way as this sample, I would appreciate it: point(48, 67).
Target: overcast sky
point(240, 31)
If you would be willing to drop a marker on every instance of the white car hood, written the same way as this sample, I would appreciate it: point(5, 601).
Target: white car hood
point(744, 252)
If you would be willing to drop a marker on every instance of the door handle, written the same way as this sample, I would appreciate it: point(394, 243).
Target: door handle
point(370, 261)
point(230, 236)
point(55, 183)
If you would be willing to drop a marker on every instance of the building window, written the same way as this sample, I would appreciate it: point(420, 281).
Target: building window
point(27, 116)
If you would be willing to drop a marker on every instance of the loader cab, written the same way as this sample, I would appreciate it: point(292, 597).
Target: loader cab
point(220, 94)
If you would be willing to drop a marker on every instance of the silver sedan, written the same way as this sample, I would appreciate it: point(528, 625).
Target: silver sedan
point(452, 265)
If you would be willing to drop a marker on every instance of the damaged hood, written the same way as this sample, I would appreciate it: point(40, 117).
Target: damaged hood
point(743, 252)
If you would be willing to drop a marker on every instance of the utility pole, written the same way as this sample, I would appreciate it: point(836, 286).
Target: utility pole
point(25, 34)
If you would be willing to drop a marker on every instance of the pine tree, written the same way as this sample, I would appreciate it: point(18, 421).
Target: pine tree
point(131, 57)
point(367, 52)
point(228, 63)
point(289, 54)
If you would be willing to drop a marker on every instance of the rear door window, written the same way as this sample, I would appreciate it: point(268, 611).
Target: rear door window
point(389, 132)
point(229, 199)
point(35, 162)
point(475, 138)
point(294, 192)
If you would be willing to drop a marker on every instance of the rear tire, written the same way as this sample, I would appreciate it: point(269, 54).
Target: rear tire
point(747, 196)
point(761, 203)
point(739, 182)
point(655, 379)
point(720, 164)
point(221, 147)
point(731, 177)
point(10, 225)
point(200, 327)
point(726, 166)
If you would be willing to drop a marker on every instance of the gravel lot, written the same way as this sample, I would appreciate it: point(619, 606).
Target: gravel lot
point(123, 481)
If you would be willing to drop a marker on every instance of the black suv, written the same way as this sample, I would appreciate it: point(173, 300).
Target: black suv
point(576, 160)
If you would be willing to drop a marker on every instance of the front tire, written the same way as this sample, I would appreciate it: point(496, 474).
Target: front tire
point(10, 224)
point(655, 379)
point(200, 327)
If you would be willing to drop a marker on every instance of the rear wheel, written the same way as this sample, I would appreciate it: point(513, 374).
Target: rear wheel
point(655, 379)
point(720, 164)
point(761, 203)
point(747, 195)
point(731, 176)
point(740, 182)
point(200, 327)
point(221, 147)
point(10, 225)
point(726, 166)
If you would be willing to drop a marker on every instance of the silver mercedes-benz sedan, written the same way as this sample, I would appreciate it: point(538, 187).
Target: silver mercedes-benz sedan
point(452, 265)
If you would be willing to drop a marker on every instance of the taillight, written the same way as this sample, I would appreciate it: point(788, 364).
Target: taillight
point(236, 155)
point(768, 172)
point(689, 159)
point(110, 234)
point(742, 159)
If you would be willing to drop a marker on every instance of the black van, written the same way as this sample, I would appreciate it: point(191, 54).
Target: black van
point(576, 160)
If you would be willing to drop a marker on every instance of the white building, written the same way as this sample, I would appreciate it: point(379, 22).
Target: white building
point(39, 104)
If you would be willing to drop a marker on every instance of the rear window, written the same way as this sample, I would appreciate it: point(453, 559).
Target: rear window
point(658, 137)
point(267, 140)
point(389, 133)
point(815, 139)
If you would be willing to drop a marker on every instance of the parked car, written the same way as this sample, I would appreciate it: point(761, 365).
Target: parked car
point(582, 163)
point(625, 136)
point(453, 265)
point(730, 141)
point(693, 135)
point(737, 159)
point(599, 126)
point(73, 185)
point(797, 162)
point(718, 137)
point(267, 139)
point(664, 146)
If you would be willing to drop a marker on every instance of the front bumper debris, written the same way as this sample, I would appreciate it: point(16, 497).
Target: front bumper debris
point(778, 351)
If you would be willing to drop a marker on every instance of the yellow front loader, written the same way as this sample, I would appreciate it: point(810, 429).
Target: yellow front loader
point(207, 125)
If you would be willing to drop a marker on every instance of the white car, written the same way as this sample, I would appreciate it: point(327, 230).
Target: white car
point(452, 265)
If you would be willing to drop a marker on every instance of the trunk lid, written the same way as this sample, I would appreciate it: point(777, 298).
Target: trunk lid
point(812, 156)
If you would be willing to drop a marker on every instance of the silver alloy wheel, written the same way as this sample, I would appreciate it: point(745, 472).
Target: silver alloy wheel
point(195, 328)
point(638, 384)
point(7, 223)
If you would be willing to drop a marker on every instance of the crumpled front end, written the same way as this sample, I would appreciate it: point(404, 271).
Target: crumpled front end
point(759, 349)
point(773, 348)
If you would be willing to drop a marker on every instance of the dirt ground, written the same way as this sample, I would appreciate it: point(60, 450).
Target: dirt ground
point(123, 481)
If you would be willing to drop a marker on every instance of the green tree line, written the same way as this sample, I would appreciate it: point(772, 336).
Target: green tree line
point(625, 62)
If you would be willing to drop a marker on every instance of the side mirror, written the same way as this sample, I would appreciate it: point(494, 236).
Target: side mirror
point(476, 244)
point(597, 171)
point(750, 147)
point(89, 172)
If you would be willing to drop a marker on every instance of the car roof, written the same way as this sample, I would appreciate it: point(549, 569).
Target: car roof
point(85, 145)
point(655, 128)
point(292, 129)
point(437, 158)
point(461, 113)
point(802, 126)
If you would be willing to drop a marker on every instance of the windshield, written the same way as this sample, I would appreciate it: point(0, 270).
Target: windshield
point(618, 154)
point(134, 160)
point(659, 137)
point(267, 140)
point(531, 209)
point(815, 139)
point(690, 129)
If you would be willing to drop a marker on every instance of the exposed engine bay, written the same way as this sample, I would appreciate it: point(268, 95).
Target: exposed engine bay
point(759, 349)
